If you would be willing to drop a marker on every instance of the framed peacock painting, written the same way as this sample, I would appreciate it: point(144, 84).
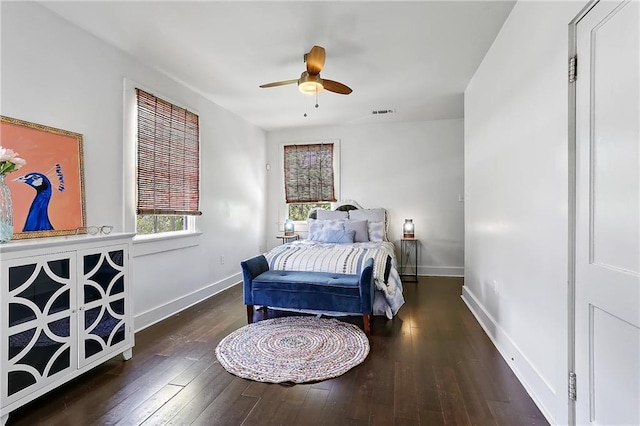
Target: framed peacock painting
point(48, 191)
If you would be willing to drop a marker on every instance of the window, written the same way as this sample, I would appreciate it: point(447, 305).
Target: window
point(168, 165)
point(156, 223)
point(300, 211)
point(309, 178)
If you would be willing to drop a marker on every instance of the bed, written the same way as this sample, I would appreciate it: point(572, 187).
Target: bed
point(341, 241)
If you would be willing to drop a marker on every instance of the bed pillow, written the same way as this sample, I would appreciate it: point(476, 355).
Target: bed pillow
point(338, 237)
point(376, 232)
point(372, 215)
point(331, 215)
point(376, 222)
point(361, 229)
point(315, 228)
point(319, 229)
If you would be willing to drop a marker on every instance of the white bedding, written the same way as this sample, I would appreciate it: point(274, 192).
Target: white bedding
point(306, 255)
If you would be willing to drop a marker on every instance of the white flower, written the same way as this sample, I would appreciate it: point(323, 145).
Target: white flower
point(19, 162)
point(7, 154)
point(9, 160)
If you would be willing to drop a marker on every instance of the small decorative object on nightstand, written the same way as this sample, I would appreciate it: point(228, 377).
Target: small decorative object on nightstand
point(408, 228)
point(289, 228)
point(288, 238)
point(409, 259)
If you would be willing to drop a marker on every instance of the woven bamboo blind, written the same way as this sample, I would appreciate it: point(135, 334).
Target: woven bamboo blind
point(308, 173)
point(168, 172)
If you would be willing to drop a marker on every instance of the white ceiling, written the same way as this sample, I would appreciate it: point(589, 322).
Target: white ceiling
point(415, 57)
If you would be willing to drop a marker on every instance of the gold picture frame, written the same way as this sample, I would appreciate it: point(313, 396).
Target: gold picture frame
point(55, 170)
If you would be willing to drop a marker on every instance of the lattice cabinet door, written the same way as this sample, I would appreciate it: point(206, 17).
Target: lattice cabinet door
point(39, 327)
point(104, 320)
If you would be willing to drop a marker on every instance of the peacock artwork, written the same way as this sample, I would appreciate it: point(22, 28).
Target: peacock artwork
point(48, 192)
point(38, 216)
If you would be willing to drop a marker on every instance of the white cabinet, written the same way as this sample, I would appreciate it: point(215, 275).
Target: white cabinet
point(65, 307)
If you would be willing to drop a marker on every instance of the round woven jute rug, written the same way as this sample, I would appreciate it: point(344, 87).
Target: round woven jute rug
point(293, 349)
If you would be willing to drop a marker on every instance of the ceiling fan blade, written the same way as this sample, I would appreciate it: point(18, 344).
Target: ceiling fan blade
point(315, 60)
point(279, 83)
point(334, 86)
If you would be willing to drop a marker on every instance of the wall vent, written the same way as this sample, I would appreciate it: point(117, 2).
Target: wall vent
point(383, 111)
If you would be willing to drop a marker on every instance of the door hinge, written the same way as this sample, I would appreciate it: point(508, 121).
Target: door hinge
point(572, 386)
point(573, 68)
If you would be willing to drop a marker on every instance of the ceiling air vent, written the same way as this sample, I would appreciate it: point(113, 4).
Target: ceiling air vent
point(383, 111)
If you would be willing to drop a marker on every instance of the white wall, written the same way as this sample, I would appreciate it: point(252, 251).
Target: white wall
point(516, 215)
point(414, 170)
point(58, 75)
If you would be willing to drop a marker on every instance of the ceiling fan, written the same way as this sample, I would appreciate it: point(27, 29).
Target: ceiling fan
point(310, 82)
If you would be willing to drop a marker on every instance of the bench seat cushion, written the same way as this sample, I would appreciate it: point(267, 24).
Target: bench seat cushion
point(307, 290)
point(323, 281)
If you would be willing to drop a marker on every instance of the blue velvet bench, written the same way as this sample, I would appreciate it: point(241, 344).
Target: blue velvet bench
point(318, 291)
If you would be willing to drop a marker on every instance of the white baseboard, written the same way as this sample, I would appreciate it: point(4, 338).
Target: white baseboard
point(542, 393)
point(155, 315)
point(441, 271)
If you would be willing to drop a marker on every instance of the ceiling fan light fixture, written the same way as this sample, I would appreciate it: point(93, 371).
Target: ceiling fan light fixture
point(310, 84)
point(310, 87)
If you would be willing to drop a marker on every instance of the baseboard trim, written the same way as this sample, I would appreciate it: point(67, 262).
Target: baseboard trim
point(157, 314)
point(441, 271)
point(540, 391)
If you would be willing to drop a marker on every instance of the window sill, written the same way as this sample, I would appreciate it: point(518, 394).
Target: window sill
point(144, 245)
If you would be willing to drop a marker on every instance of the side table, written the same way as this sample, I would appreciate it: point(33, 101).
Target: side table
point(409, 259)
point(288, 238)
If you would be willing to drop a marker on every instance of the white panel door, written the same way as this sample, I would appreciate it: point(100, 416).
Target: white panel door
point(607, 260)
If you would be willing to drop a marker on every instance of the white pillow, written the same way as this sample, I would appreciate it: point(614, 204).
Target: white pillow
point(376, 232)
point(331, 215)
point(372, 215)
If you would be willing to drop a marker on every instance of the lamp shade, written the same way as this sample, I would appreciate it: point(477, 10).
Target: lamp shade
point(289, 227)
point(408, 230)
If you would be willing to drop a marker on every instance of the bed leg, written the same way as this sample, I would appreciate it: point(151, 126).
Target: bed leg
point(249, 314)
point(366, 319)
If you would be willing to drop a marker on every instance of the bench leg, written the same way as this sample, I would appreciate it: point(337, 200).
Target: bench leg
point(366, 319)
point(249, 314)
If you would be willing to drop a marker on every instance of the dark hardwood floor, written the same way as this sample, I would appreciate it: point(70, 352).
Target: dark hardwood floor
point(431, 364)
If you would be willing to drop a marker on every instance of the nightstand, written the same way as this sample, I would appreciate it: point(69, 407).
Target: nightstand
point(288, 238)
point(409, 259)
